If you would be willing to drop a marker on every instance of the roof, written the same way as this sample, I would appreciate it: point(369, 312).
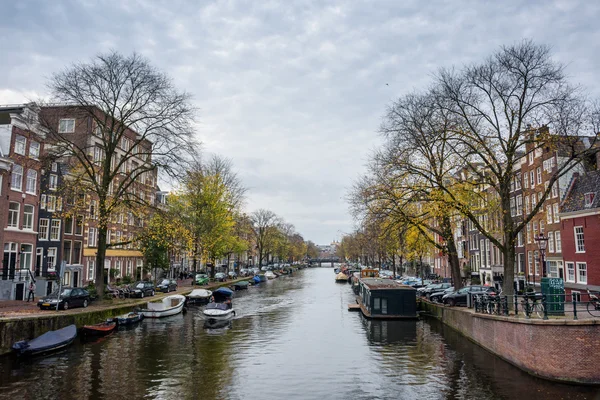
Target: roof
point(384, 284)
point(587, 183)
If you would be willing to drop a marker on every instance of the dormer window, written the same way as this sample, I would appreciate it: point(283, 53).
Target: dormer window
point(66, 126)
point(589, 198)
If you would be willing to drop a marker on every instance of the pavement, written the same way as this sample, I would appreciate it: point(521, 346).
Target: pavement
point(19, 309)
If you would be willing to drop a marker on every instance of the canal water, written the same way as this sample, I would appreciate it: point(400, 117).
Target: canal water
point(293, 338)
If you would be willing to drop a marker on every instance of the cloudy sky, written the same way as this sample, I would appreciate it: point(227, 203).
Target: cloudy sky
point(291, 91)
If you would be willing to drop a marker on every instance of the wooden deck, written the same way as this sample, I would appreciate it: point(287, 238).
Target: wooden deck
point(354, 307)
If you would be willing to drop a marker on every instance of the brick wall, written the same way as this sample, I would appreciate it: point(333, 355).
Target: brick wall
point(550, 349)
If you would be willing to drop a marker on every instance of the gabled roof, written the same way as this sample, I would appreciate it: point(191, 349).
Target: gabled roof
point(587, 183)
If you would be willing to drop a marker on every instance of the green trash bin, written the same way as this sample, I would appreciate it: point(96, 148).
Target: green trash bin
point(554, 289)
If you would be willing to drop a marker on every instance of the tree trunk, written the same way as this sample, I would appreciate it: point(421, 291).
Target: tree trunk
point(100, 256)
point(452, 253)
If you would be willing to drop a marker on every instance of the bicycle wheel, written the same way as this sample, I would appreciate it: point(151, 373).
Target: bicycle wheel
point(593, 308)
point(538, 309)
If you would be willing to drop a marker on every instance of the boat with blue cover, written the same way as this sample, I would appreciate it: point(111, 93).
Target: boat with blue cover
point(49, 341)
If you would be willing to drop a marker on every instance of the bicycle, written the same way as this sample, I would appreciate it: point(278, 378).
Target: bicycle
point(532, 304)
point(593, 306)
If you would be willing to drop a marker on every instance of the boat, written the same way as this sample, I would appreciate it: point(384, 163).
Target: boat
point(241, 285)
point(256, 279)
point(341, 278)
point(170, 305)
point(199, 296)
point(128, 319)
point(218, 312)
point(49, 341)
point(103, 328)
point(270, 275)
point(262, 277)
point(221, 294)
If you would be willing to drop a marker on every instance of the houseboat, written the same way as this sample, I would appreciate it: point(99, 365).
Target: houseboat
point(386, 299)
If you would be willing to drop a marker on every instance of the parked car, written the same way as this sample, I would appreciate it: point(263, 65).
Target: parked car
point(244, 272)
point(232, 275)
point(202, 279)
point(460, 297)
point(142, 289)
point(220, 276)
point(436, 297)
point(255, 271)
point(434, 287)
point(69, 298)
point(166, 286)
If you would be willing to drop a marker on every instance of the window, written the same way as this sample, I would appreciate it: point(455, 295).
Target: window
point(526, 205)
point(589, 199)
point(69, 225)
point(539, 175)
point(519, 205)
point(536, 260)
point(529, 262)
point(512, 207)
point(59, 203)
point(93, 209)
point(77, 246)
point(579, 242)
point(92, 237)
point(570, 272)
point(575, 296)
point(66, 126)
point(118, 267)
point(16, 182)
point(31, 181)
point(535, 229)
point(125, 144)
point(26, 256)
point(28, 217)
point(79, 225)
point(558, 242)
point(540, 194)
point(43, 229)
point(525, 180)
point(51, 258)
point(556, 215)
point(532, 178)
point(13, 214)
point(67, 251)
point(550, 242)
point(384, 309)
point(55, 230)
point(98, 154)
point(552, 269)
point(43, 202)
point(20, 144)
point(520, 239)
point(91, 265)
point(518, 181)
point(34, 149)
point(529, 233)
point(51, 203)
point(53, 182)
point(531, 154)
point(549, 213)
point(54, 167)
point(376, 303)
point(581, 272)
point(555, 189)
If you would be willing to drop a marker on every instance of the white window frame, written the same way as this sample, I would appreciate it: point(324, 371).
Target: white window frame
point(549, 213)
point(28, 217)
point(538, 172)
point(555, 189)
point(51, 258)
point(51, 203)
point(91, 268)
point(532, 178)
point(525, 180)
point(558, 241)
point(31, 182)
point(92, 237)
point(16, 178)
point(550, 242)
point(582, 266)
point(13, 215)
point(55, 229)
point(43, 229)
point(53, 182)
point(20, 144)
point(579, 239)
point(556, 213)
point(66, 125)
point(570, 267)
point(43, 202)
point(34, 149)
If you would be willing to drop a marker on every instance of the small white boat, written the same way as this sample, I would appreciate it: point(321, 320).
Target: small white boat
point(270, 275)
point(199, 296)
point(218, 312)
point(170, 305)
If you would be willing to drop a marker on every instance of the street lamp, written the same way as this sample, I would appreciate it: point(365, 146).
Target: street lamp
point(542, 242)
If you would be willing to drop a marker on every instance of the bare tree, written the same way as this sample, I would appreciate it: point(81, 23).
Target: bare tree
point(128, 122)
point(265, 230)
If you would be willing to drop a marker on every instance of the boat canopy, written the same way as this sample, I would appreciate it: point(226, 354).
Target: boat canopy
point(241, 283)
point(48, 339)
point(223, 291)
point(217, 306)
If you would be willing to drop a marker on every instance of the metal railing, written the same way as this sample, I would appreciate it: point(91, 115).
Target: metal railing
point(537, 305)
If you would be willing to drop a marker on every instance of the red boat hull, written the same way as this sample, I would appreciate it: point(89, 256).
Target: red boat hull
point(99, 329)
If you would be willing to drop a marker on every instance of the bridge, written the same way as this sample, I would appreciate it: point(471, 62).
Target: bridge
point(322, 261)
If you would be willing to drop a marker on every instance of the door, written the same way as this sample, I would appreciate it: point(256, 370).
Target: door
point(19, 291)
point(39, 259)
point(48, 288)
point(75, 278)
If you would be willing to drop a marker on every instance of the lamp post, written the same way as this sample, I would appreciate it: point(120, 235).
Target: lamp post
point(542, 242)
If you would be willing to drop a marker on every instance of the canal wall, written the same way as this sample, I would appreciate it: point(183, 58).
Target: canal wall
point(560, 350)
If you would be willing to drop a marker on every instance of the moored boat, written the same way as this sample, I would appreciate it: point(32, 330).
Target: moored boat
point(170, 305)
point(270, 275)
point(199, 296)
point(49, 341)
point(128, 319)
point(241, 285)
point(103, 328)
point(341, 278)
point(262, 277)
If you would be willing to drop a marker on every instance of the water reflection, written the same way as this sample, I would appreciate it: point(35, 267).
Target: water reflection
point(292, 338)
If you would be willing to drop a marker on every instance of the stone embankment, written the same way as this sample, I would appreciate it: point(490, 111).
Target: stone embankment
point(28, 325)
point(556, 349)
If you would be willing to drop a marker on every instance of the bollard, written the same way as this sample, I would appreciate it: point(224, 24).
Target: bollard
point(545, 307)
point(574, 308)
point(516, 305)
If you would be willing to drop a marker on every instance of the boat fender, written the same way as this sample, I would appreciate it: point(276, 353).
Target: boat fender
point(233, 312)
